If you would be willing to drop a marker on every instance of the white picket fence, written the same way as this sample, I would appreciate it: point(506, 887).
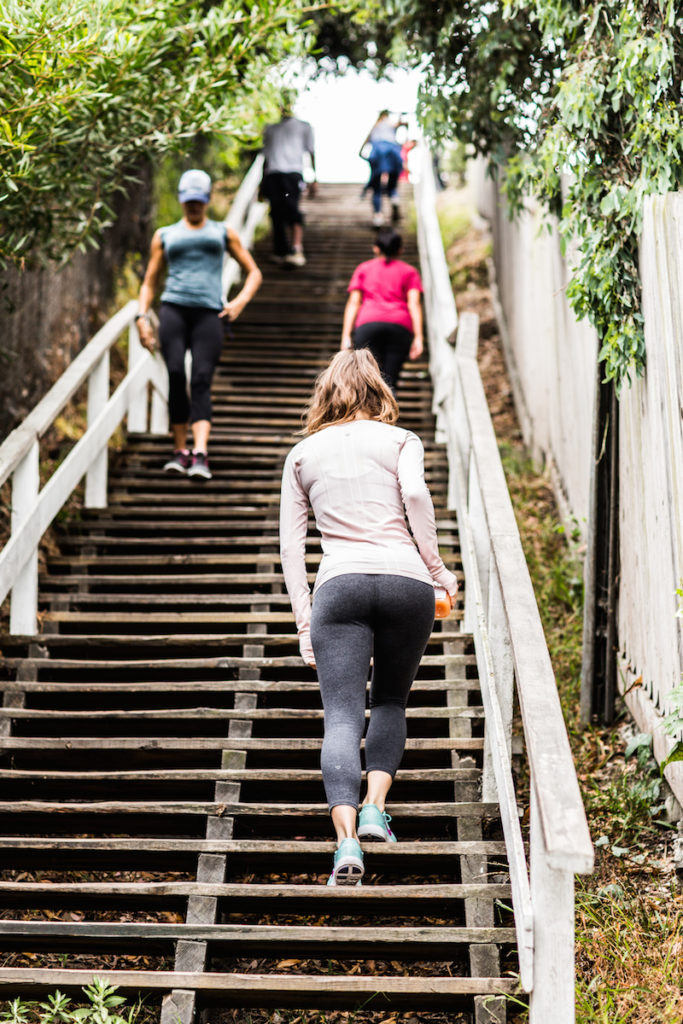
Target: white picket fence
point(501, 612)
point(551, 360)
point(34, 508)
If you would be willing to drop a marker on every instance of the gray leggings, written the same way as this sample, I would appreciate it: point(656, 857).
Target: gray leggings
point(355, 617)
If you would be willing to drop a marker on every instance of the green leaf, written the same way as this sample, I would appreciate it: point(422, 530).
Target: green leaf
point(619, 851)
point(674, 755)
point(638, 742)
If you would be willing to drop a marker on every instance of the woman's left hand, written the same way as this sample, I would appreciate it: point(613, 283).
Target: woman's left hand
point(232, 310)
point(416, 349)
point(147, 334)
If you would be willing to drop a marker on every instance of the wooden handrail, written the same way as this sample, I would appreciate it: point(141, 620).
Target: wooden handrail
point(567, 839)
point(244, 215)
point(441, 314)
point(502, 614)
point(41, 418)
point(33, 509)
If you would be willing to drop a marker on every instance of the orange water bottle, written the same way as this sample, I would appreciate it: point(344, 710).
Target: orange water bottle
point(442, 603)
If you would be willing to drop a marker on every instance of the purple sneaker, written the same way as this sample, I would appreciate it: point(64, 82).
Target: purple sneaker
point(179, 461)
point(199, 466)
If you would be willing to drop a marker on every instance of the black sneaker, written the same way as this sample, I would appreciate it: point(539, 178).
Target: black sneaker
point(199, 466)
point(179, 461)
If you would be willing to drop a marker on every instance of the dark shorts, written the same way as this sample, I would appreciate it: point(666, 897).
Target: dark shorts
point(283, 192)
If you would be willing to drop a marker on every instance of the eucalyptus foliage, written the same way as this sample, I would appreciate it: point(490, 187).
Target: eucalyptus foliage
point(89, 88)
point(353, 32)
point(103, 1007)
point(579, 104)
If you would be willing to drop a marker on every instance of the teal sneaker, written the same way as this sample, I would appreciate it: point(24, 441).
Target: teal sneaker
point(374, 824)
point(348, 864)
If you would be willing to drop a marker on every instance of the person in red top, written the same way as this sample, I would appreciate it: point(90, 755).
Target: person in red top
point(384, 311)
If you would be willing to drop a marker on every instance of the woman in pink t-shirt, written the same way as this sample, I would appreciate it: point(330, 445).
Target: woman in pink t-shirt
point(383, 311)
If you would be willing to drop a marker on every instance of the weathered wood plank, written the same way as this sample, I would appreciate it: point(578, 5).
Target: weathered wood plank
point(281, 893)
point(169, 743)
point(13, 980)
point(239, 809)
point(53, 641)
point(206, 685)
point(404, 849)
point(292, 775)
point(250, 936)
point(208, 714)
point(170, 617)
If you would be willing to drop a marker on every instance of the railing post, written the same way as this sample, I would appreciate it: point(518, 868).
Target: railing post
point(441, 313)
point(25, 487)
point(552, 899)
point(475, 515)
point(503, 678)
point(98, 396)
point(137, 406)
point(159, 415)
point(501, 652)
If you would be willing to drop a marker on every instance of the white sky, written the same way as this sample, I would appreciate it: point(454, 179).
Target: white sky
point(342, 110)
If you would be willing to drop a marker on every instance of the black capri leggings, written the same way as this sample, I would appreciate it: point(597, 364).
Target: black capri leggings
point(198, 329)
point(389, 344)
point(355, 617)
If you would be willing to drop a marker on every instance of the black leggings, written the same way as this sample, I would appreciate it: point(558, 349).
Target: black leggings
point(355, 617)
point(389, 344)
point(198, 329)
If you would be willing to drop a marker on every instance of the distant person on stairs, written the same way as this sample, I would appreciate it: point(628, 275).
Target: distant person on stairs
point(374, 592)
point(285, 145)
point(384, 311)
point(386, 163)
point(192, 314)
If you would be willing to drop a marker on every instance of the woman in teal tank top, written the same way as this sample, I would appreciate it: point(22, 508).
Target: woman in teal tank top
point(192, 314)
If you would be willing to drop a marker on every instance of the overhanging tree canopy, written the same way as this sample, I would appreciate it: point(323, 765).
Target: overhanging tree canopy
point(89, 88)
point(579, 104)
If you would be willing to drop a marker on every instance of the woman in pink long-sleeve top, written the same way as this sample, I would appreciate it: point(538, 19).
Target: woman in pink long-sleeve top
point(374, 592)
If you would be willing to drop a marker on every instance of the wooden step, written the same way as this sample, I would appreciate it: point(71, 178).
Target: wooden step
point(309, 940)
point(301, 991)
point(423, 810)
point(166, 613)
point(288, 775)
point(190, 743)
point(200, 714)
point(457, 665)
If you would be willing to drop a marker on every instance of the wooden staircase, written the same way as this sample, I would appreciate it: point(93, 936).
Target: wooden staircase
point(163, 818)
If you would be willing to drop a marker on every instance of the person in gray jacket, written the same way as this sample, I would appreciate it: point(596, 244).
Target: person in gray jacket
point(284, 146)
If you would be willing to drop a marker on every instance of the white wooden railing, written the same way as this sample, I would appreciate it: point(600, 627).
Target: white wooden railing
point(33, 508)
point(501, 613)
point(244, 216)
